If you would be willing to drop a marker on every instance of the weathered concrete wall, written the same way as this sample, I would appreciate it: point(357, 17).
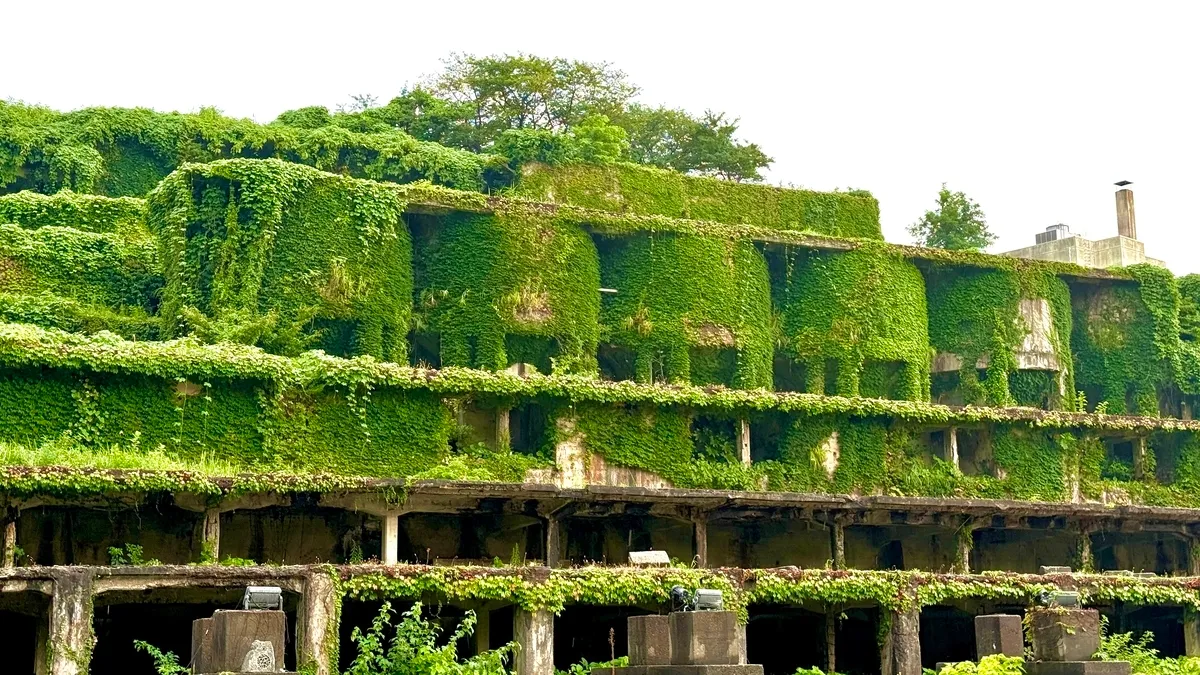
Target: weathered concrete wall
point(611, 539)
point(1022, 550)
point(1140, 552)
point(431, 536)
point(298, 536)
point(61, 535)
point(871, 547)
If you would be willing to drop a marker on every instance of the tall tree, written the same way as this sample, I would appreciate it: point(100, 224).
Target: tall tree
point(957, 224)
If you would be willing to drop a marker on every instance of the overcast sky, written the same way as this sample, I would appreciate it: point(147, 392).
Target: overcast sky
point(1033, 109)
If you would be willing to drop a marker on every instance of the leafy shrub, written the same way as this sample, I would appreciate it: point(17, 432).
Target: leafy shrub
point(129, 554)
point(585, 667)
point(412, 648)
point(165, 663)
point(1143, 659)
point(996, 664)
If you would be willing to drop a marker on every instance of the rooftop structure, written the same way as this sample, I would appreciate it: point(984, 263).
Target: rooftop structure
point(411, 373)
point(1058, 244)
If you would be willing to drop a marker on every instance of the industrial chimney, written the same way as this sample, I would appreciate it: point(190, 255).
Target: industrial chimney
point(1126, 223)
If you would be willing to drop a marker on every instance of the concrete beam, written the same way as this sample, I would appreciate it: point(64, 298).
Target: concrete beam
point(70, 632)
point(534, 632)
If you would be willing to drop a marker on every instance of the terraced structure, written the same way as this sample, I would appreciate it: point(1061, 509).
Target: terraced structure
point(363, 367)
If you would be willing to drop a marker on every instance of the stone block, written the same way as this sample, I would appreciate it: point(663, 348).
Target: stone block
point(1077, 668)
point(202, 646)
point(238, 634)
point(1064, 634)
point(998, 634)
point(704, 638)
point(1054, 569)
point(649, 640)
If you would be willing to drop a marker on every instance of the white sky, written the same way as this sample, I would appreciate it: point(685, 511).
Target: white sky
point(1032, 108)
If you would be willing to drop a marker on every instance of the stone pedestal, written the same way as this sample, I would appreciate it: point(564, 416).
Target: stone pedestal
point(1078, 668)
point(684, 670)
point(704, 638)
point(649, 640)
point(1065, 634)
point(239, 641)
point(998, 634)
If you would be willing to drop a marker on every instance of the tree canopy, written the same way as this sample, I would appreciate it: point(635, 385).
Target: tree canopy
point(554, 110)
point(957, 224)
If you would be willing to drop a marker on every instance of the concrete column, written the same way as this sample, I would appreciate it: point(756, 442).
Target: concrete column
point(316, 624)
point(837, 544)
point(743, 441)
point(483, 629)
point(1191, 633)
point(391, 538)
point(830, 639)
point(502, 438)
point(905, 643)
point(210, 534)
point(700, 534)
point(70, 629)
point(1193, 557)
point(534, 632)
point(41, 648)
point(554, 543)
point(1084, 548)
point(1126, 223)
point(963, 541)
point(950, 446)
point(1140, 449)
point(9, 554)
point(741, 633)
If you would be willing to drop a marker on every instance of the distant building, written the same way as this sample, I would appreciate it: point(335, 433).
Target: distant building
point(1058, 244)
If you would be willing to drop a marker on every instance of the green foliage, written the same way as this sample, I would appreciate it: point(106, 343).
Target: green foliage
point(1143, 659)
point(672, 139)
point(90, 213)
point(853, 308)
point(646, 190)
point(503, 290)
point(129, 554)
point(682, 303)
point(994, 664)
point(165, 663)
point(412, 647)
point(281, 255)
point(957, 224)
point(1126, 340)
point(125, 152)
point(585, 667)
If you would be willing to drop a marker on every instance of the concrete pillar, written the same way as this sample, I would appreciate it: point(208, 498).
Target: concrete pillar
point(743, 440)
point(1126, 223)
point(483, 629)
point(700, 534)
point(1191, 633)
point(391, 538)
point(1140, 449)
point(534, 632)
point(70, 629)
point(1193, 557)
point(837, 544)
point(830, 639)
point(904, 644)
point(316, 624)
point(210, 534)
point(950, 446)
point(41, 647)
point(963, 540)
point(9, 554)
point(1084, 549)
point(741, 632)
point(1185, 410)
point(502, 438)
point(554, 543)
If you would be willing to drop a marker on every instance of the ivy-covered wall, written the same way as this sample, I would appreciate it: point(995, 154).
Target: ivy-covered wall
point(857, 311)
point(692, 309)
point(126, 152)
point(502, 290)
point(300, 257)
point(647, 190)
point(1126, 340)
point(91, 213)
point(975, 313)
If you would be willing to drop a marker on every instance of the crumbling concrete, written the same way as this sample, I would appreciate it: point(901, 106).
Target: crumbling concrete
point(71, 638)
point(534, 632)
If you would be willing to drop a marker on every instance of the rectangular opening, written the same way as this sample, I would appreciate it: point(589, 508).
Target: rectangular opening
point(974, 452)
point(880, 379)
point(300, 535)
point(616, 363)
point(1159, 552)
point(715, 438)
point(1020, 550)
point(476, 424)
point(478, 538)
point(947, 635)
point(766, 435)
point(533, 352)
point(608, 540)
point(789, 374)
point(528, 424)
point(425, 350)
point(1118, 459)
point(712, 365)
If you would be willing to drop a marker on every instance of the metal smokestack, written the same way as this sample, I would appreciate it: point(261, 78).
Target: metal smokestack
point(1126, 222)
